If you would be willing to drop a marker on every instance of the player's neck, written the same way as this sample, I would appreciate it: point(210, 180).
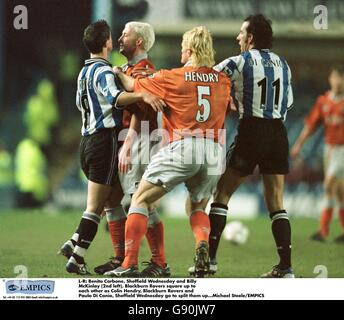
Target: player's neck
point(137, 56)
point(136, 53)
point(337, 95)
point(102, 55)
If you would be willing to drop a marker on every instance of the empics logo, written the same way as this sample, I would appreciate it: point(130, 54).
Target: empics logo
point(13, 287)
point(30, 287)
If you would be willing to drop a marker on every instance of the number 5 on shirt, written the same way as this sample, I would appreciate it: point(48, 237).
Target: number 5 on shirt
point(203, 104)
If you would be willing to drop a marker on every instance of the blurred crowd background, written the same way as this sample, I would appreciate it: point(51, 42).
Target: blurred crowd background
point(40, 124)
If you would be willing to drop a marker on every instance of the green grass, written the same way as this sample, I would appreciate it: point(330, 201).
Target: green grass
point(32, 238)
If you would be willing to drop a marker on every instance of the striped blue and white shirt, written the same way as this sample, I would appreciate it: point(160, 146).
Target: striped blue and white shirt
point(261, 84)
point(97, 95)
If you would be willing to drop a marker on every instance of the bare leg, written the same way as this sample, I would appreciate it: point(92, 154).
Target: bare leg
point(273, 192)
point(227, 185)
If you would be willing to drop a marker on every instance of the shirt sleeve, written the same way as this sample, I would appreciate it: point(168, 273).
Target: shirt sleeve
point(290, 91)
point(78, 95)
point(154, 84)
point(106, 85)
point(232, 66)
point(77, 100)
point(314, 118)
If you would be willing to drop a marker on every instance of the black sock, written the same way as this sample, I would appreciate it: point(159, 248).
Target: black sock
point(281, 231)
point(218, 219)
point(87, 230)
point(77, 232)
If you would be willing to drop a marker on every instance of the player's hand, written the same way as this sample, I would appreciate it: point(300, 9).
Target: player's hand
point(143, 72)
point(155, 102)
point(117, 70)
point(124, 158)
point(295, 151)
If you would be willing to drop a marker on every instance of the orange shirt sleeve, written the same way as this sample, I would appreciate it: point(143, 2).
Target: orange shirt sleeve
point(155, 84)
point(314, 118)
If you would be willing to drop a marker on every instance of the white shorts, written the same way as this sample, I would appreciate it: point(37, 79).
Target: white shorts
point(197, 162)
point(334, 160)
point(141, 155)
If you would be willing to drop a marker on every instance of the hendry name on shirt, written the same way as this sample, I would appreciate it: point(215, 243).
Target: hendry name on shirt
point(201, 77)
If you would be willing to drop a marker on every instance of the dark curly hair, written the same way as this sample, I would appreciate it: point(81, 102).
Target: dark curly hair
point(261, 30)
point(96, 35)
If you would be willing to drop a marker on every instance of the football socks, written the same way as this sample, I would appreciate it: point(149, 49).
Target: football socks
point(281, 231)
point(135, 229)
point(87, 230)
point(200, 226)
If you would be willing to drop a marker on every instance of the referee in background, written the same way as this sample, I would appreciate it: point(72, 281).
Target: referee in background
point(100, 101)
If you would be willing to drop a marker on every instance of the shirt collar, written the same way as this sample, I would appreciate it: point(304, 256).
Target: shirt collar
point(95, 60)
point(137, 58)
point(264, 50)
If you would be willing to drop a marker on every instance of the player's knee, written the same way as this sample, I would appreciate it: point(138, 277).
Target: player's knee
point(139, 200)
point(340, 193)
point(329, 185)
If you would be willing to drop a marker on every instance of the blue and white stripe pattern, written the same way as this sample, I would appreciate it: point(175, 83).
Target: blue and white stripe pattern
point(97, 95)
point(261, 84)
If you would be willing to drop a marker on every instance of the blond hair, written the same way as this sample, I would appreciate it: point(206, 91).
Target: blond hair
point(200, 42)
point(145, 31)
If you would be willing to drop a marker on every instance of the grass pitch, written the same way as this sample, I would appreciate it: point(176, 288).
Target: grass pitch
point(32, 238)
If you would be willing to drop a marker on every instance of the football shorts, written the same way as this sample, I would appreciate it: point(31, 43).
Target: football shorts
point(98, 157)
point(334, 160)
point(142, 151)
point(262, 142)
point(197, 162)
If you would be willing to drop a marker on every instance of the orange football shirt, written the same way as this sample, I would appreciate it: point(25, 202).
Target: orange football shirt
point(330, 113)
point(144, 111)
point(197, 100)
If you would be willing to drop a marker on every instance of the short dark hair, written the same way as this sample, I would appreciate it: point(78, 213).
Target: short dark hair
point(339, 68)
point(260, 28)
point(96, 35)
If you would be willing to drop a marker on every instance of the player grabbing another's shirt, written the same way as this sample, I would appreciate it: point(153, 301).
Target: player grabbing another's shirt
point(197, 97)
point(100, 102)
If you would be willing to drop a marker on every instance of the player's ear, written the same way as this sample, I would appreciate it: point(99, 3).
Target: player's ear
point(108, 43)
point(250, 38)
point(139, 42)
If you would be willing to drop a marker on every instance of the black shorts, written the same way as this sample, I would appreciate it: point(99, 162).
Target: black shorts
point(99, 157)
point(262, 142)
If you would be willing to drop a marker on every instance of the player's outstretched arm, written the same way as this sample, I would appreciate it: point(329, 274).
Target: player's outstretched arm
point(127, 98)
point(127, 81)
point(304, 135)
